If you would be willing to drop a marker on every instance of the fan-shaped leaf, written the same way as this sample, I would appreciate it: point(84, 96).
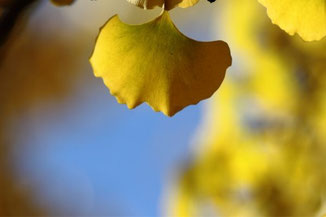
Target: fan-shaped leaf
point(157, 64)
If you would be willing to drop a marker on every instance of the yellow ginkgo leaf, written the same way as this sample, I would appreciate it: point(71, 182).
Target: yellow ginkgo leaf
point(168, 4)
point(62, 2)
point(307, 18)
point(157, 64)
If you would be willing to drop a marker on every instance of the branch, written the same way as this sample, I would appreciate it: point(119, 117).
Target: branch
point(10, 15)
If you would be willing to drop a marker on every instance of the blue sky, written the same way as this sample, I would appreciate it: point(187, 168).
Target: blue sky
point(89, 154)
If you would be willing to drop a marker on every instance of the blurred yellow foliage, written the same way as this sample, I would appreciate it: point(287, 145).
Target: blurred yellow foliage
point(264, 150)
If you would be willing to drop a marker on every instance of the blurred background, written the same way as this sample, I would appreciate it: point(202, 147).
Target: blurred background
point(67, 148)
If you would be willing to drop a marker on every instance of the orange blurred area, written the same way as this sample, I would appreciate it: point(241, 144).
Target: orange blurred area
point(38, 65)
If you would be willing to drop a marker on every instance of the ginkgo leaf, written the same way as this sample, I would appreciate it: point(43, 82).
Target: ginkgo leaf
point(168, 4)
point(62, 2)
point(157, 64)
point(305, 17)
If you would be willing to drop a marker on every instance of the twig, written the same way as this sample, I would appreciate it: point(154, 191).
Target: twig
point(10, 15)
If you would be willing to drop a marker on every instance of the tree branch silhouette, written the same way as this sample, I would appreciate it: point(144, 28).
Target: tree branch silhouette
point(10, 15)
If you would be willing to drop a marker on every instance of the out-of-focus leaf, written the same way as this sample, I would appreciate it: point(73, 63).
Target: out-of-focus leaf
point(62, 2)
point(157, 64)
point(168, 4)
point(264, 137)
point(305, 17)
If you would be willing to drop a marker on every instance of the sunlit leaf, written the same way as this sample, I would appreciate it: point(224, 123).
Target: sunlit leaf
point(305, 17)
point(168, 4)
point(157, 64)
